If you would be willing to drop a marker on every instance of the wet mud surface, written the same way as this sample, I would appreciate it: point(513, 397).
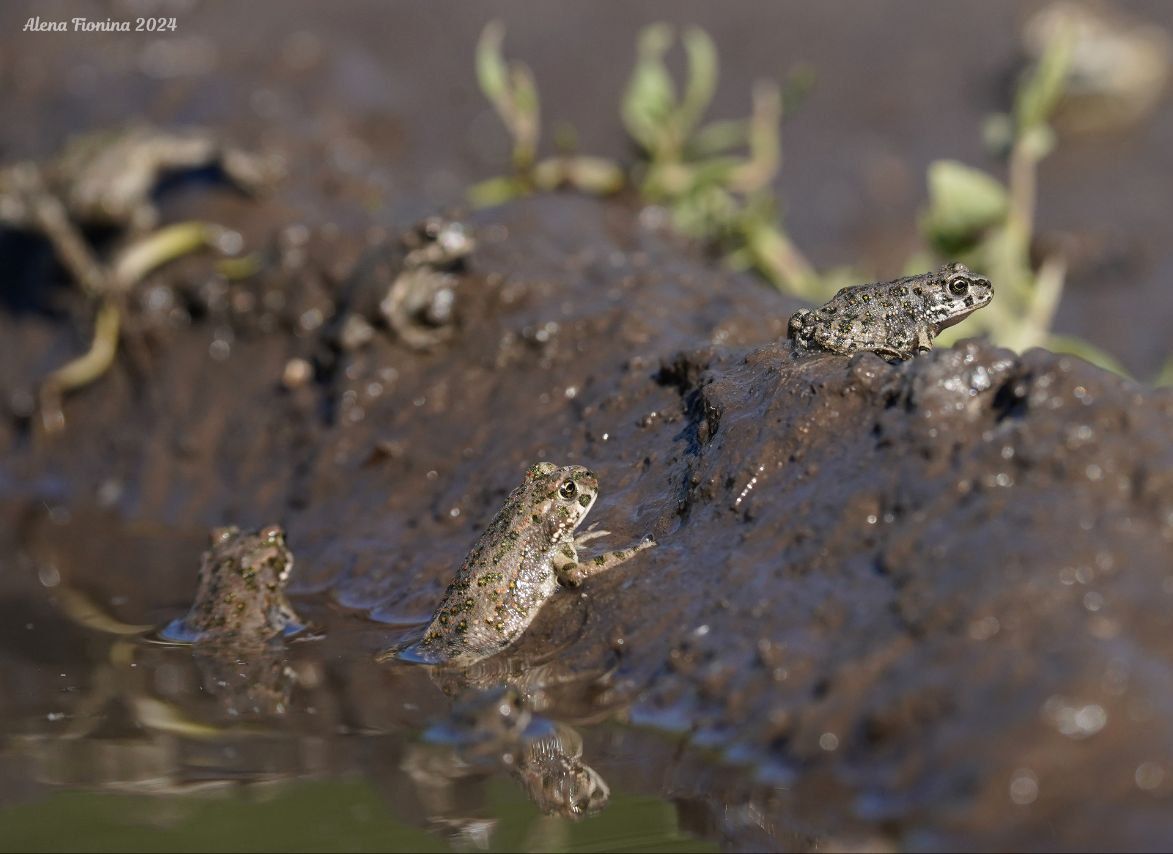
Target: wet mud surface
point(905, 606)
point(886, 595)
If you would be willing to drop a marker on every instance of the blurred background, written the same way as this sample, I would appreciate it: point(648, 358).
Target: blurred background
point(378, 104)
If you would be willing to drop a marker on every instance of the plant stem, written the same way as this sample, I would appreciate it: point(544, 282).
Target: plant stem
point(166, 244)
point(85, 368)
point(1023, 194)
point(782, 261)
point(1048, 290)
point(50, 217)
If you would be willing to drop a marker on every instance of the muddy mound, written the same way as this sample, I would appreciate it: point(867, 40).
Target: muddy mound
point(948, 582)
point(926, 603)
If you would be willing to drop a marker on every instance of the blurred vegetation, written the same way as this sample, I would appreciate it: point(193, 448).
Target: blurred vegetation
point(975, 218)
point(511, 90)
point(716, 181)
point(114, 283)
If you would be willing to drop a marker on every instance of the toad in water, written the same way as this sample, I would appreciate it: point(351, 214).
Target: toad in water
point(241, 597)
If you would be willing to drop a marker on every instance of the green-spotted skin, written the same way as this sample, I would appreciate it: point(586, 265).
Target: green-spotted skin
point(513, 568)
point(241, 596)
point(894, 319)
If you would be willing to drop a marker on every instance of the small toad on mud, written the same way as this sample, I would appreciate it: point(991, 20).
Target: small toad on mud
point(410, 287)
point(516, 565)
point(241, 596)
point(107, 178)
point(419, 305)
point(893, 319)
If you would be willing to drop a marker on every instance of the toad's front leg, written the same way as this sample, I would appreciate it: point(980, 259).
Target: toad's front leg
point(572, 575)
point(892, 353)
point(924, 340)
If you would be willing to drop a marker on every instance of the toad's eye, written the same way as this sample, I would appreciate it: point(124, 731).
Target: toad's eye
point(958, 286)
point(568, 489)
point(272, 534)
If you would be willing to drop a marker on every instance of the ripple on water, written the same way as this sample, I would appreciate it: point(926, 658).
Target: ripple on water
point(413, 653)
point(179, 632)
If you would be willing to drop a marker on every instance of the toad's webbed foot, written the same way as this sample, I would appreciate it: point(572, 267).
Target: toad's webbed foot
point(575, 574)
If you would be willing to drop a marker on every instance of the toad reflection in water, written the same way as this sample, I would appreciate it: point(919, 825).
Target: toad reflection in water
point(499, 729)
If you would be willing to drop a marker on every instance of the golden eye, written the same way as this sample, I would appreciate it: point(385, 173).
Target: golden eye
point(958, 286)
point(568, 489)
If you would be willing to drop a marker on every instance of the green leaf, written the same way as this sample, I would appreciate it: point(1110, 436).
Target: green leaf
point(496, 191)
point(526, 124)
point(714, 170)
point(797, 86)
point(1038, 141)
point(163, 246)
point(1042, 85)
point(650, 99)
point(717, 137)
point(702, 80)
point(1165, 377)
point(511, 90)
point(765, 145)
point(595, 175)
point(492, 74)
point(963, 202)
point(779, 261)
point(705, 213)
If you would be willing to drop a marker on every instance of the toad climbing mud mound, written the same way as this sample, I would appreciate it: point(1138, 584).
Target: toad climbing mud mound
point(892, 319)
point(527, 551)
point(931, 573)
point(925, 604)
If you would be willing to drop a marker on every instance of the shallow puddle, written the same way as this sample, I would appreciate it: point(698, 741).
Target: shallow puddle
point(134, 745)
point(119, 740)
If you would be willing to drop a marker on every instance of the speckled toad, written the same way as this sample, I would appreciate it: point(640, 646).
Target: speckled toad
point(516, 565)
point(241, 597)
point(893, 319)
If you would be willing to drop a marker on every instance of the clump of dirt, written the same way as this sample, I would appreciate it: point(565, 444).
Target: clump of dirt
point(924, 603)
